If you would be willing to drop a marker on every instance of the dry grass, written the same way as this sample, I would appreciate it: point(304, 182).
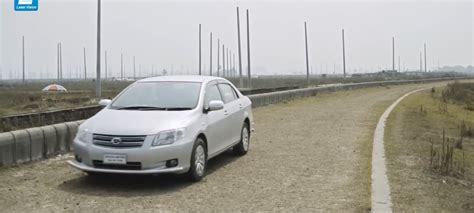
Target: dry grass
point(461, 93)
point(28, 98)
point(419, 179)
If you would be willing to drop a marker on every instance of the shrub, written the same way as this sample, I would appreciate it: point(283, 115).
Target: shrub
point(462, 93)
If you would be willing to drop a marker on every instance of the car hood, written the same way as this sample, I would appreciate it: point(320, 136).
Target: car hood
point(135, 122)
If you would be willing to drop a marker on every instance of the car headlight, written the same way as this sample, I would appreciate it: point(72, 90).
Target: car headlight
point(82, 135)
point(168, 137)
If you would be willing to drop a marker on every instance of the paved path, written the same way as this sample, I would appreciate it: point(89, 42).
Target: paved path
point(306, 155)
point(381, 199)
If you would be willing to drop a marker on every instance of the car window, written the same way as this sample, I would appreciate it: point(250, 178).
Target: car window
point(212, 94)
point(235, 93)
point(160, 94)
point(227, 92)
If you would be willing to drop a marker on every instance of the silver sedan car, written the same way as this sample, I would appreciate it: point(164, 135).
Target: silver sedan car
point(169, 124)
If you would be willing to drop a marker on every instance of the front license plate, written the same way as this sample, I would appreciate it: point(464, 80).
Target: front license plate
point(115, 159)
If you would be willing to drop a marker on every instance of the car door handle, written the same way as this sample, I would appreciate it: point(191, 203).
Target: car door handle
point(225, 112)
point(240, 106)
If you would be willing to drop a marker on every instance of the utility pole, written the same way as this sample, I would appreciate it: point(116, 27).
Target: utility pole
point(425, 57)
point(248, 52)
point(393, 53)
point(343, 55)
point(134, 71)
point(23, 59)
point(229, 73)
point(199, 49)
point(218, 56)
point(210, 64)
point(121, 66)
point(98, 85)
point(421, 62)
point(241, 81)
point(106, 69)
point(85, 66)
point(59, 63)
point(223, 60)
point(307, 59)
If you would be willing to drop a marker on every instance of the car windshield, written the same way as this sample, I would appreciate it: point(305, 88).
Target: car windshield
point(159, 96)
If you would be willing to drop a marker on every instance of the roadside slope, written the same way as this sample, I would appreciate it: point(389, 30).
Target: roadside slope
point(413, 183)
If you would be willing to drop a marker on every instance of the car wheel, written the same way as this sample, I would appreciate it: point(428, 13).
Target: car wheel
point(198, 161)
point(243, 146)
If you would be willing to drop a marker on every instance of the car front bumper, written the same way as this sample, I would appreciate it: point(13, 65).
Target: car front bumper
point(151, 159)
point(86, 168)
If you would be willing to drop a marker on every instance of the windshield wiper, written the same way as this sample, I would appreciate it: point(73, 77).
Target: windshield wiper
point(141, 108)
point(154, 108)
point(176, 108)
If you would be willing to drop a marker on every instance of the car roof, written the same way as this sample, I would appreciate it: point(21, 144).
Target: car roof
point(184, 78)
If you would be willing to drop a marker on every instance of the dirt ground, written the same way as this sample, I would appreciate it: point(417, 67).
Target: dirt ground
point(308, 155)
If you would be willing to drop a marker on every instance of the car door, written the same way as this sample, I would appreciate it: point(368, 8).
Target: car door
point(216, 120)
point(231, 110)
point(239, 113)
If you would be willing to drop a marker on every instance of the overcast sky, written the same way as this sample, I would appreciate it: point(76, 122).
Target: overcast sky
point(164, 34)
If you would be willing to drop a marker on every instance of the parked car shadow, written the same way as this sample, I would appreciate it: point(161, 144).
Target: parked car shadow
point(139, 185)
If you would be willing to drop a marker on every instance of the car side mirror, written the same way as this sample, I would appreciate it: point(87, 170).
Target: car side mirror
point(215, 105)
point(105, 102)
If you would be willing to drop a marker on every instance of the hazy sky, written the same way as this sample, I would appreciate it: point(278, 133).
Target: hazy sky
point(164, 34)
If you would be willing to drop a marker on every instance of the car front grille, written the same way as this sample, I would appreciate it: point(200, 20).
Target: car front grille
point(119, 141)
point(129, 166)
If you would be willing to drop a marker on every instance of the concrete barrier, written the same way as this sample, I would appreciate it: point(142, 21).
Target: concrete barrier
point(72, 130)
point(7, 150)
point(22, 146)
point(39, 143)
point(62, 134)
point(50, 141)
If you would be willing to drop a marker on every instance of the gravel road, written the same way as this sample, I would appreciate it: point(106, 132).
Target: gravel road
point(306, 155)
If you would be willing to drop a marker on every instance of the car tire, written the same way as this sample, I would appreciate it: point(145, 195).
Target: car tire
point(243, 146)
point(198, 166)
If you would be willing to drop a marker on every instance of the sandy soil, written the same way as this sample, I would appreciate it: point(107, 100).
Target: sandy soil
point(306, 155)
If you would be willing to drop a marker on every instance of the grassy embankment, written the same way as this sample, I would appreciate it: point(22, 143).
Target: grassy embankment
point(427, 173)
point(28, 98)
